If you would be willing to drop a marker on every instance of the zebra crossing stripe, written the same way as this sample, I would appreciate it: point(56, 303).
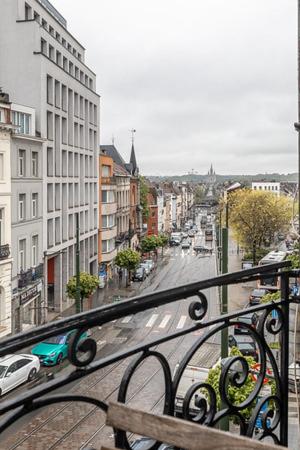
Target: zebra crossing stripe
point(181, 322)
point(151, 321)
point(126, 319)
point(165, 321)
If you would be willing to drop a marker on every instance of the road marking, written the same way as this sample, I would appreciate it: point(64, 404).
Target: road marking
point(198, 333)
point(165, 320)
point(126, 319)
point(151, 321)
point(100, 344)
point(181, 322)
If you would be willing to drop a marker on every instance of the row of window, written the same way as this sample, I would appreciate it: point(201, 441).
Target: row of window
point(61, 97)
point(22, 253)
point(22, 206)
point(22, 121)
point(34, 169)
point(108, 196)
point(61, 229)
point(67, 65)
point(266, 188)
point(67, 132)
point(70, 195)
point(70, 164)
point(31, 14)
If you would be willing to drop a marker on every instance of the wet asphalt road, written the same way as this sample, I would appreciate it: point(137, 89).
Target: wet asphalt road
point(68, 426)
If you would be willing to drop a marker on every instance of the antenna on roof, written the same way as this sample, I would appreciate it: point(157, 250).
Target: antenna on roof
point(113, 139)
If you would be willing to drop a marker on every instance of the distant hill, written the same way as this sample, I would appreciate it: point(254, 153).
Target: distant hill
point(222, 178)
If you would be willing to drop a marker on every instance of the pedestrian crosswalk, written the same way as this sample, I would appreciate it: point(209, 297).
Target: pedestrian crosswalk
point(293, 409)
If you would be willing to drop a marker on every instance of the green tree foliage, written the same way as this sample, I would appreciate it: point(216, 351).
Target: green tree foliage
point(271, 297)
point(256, 216)
point(144, 190)
point(294, 258)
point(149, 243)
point(163, 240)
point(128, 259)
point(236, 395)
point(199, 194)
point(88, 285)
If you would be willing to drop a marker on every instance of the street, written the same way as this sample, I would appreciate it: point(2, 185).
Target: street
point(77, 425)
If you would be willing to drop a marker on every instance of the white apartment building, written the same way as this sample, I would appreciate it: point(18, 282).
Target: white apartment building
point(5, 215)
point(28, 308)
point(269, 186)
point(43, 65)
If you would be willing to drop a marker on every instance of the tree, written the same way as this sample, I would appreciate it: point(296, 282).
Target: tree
point(236, 395)
point(256, 216)
point(128, 259)
point(271, 297)
point(163, 240)
point(144, 190)
point(88, 285)
point(199, 194)
point(149, 243)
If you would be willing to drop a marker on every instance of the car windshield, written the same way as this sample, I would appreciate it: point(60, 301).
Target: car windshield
point(258, 292)
point(245, 346)
point(245, 319)
point(2, 370)
point(56, 339)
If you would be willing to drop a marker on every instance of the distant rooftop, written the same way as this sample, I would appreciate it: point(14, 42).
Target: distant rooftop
point(53, 11)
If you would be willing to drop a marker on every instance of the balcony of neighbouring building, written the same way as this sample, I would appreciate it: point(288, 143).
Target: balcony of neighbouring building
point(4, 251)
point(29, 276)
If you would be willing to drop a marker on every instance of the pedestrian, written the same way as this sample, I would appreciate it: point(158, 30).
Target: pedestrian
point(120, 273)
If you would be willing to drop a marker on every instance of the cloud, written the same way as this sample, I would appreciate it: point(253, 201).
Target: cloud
point(201, 81)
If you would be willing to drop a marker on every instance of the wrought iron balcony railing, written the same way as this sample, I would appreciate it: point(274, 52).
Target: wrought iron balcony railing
point(4, 251)
point(213, 402)
point(29, 276)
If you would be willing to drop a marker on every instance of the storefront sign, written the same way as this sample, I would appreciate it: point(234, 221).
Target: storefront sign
point(30, 293)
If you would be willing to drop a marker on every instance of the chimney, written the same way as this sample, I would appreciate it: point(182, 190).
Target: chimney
point(4, 98)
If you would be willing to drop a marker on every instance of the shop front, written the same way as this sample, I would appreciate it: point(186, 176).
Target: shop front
point(28, 307)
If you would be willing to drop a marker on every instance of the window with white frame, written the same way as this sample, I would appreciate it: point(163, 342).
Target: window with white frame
point(34, 251)
point(34, 205)
point(1, 226)
point(34, 164)
point(107, 196)
point(22, 199)
point(105, 171)
point(22, 255)
point(108, 245)
point(22, 156)
point(1, 166)
point(108, 221)
point(22, 121)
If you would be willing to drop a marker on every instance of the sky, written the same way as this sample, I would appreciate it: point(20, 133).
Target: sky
point(201, 81)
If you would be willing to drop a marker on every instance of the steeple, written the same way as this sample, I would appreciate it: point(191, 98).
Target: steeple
point(135, 169)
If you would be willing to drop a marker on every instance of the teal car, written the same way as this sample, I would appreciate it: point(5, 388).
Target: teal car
point(54, 349)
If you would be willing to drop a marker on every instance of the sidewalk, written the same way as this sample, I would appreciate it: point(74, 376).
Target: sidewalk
point(238, 294)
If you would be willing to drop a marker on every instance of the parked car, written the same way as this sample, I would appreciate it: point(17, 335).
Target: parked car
point(54, 349)
point(174, 242)
point(150, 262)
point(202, 249)
point(247, 348)
point(146, 267)
point(145, 443)
point(256, 295)
point(191, 233)
point(16, 370)
point(292, 372)
point(185, 244)
point(249, 319)
point(139, 274)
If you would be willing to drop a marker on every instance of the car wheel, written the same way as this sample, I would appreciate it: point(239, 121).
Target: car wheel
point(59, 358)
point(32, 374)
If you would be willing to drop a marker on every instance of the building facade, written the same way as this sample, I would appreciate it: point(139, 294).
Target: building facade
point(28, 308)
point(57, 83)
point(269, 186)
point(5, 215)
point(107, 218)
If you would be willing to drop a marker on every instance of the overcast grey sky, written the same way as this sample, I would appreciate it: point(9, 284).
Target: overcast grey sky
point(200, 80)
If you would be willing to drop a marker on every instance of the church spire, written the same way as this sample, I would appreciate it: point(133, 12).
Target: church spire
point(135, 169)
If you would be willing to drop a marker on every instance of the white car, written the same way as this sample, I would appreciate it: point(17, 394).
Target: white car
point(146, 267)
point(150, 263)
point(17, 369)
